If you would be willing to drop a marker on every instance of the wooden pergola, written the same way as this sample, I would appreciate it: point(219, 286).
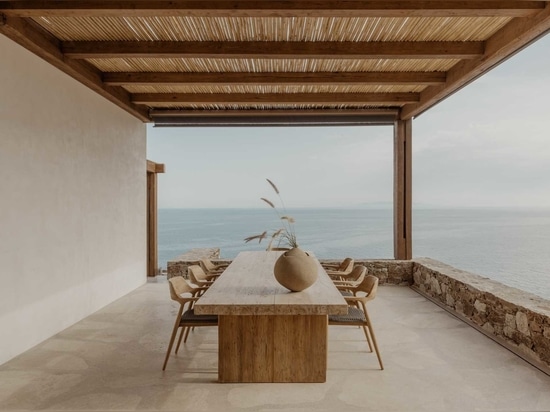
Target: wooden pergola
point(273, 62)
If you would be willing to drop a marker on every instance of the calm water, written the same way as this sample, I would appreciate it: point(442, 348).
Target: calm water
point(508, 245)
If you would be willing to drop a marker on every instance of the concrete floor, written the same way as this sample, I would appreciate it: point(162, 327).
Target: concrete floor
point(112, 361)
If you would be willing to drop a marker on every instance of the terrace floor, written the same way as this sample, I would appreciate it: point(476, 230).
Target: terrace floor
point(112, 361)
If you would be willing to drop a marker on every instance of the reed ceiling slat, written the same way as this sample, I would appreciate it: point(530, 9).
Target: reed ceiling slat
point(272, 29)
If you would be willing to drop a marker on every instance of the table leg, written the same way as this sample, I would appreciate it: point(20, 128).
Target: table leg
point(285, 348)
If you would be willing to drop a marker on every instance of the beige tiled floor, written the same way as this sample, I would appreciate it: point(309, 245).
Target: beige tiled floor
point(112, 361)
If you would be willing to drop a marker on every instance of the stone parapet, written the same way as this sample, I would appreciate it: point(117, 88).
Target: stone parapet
point(519, 320)
point(178, 266)
point(388, 271)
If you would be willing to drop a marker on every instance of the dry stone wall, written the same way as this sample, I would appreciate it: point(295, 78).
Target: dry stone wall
point(516, 318)
point(179, 265)
point(389, 272)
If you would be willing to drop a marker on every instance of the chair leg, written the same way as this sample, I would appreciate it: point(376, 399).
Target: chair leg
point(179, 340)
point(172, 338)
point(187, 334)
point(369, 342)
point(369, 325)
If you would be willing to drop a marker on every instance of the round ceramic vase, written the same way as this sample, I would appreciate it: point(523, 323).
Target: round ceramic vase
point(295, 270)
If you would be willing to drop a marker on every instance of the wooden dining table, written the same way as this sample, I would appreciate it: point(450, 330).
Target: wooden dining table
point(267, 333)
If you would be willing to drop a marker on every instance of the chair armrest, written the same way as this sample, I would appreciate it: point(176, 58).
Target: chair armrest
point(354, 298)
point(342, 283)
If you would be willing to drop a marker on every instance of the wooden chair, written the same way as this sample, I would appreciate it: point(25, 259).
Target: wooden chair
point(186, 318)
point(357, 312)
point(211, 268)
point(353, 280)
point(341, 270)
point(199, 278)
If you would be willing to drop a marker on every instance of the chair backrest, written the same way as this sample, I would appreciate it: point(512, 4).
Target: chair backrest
point(207, 265)
point(346, 265)
point(179, 286)
point(196, 274)
point(369, 285)
point(357, 274)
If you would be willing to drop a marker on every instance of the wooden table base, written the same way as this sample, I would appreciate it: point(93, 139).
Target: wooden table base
point(272, 348)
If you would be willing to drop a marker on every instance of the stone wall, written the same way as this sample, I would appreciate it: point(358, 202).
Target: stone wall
point(178, 266)
point(518, 319)
point(389, 272)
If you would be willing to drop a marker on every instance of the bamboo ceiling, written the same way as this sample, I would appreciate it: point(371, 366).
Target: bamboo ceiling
point(222, 58)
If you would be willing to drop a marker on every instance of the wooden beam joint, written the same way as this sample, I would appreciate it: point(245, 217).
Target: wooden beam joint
point(153, 167)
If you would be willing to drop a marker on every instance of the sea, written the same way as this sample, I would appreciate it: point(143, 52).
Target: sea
point(511, 246)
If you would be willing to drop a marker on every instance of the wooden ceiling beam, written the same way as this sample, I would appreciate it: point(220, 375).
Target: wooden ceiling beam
point(277, 112)
point(273, 50)
point(501, 46)
point(275, 98)
point(44, 45)
point(272, 8)
point(324, 78)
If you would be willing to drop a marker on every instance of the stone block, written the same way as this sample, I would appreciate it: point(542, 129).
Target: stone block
point(509, 332)
point(449, 300)
point(489, 328)
point(522, 323)
point(434, 285)
point(510, 321)
point(480, 306)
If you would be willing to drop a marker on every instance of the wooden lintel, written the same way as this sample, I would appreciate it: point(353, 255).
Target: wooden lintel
point(43, 44)
point(325, 78)
point(272, 8)
point(259, 98)
point(274, 50)
point(153, 167)
point(504, 43)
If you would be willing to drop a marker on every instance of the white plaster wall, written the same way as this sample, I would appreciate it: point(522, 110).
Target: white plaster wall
point(72, 201)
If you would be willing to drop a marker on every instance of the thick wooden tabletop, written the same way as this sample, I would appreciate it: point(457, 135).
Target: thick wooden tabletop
point(248, 287)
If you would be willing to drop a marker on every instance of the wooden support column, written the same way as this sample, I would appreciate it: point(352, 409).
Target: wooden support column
point(152, 226)
point(402, 190)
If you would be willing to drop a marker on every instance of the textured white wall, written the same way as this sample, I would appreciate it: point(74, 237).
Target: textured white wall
point(72, 201)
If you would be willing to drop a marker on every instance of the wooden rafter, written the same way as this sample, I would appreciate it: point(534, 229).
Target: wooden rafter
point(43, 44)
point(280, 112)
point(280, 98)
point(326, 78)
point(274, 50)
point(509, 40)
point(272, 8)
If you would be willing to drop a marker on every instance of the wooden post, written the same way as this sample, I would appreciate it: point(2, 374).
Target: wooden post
point(402, 190)
point(152, 226)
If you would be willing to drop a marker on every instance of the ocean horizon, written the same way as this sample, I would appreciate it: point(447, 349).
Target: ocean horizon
point(509, 245)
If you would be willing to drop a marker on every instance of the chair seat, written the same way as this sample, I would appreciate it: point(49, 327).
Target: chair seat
point(354, 315)
point(190, 317)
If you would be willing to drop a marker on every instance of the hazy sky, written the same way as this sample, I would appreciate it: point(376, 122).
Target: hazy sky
point(487, 145)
